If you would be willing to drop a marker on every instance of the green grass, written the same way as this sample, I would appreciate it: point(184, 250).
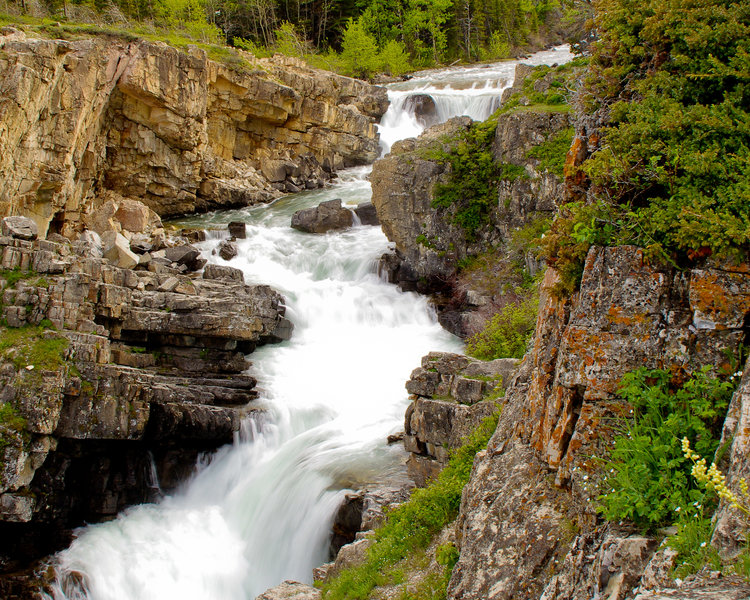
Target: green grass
point(410, 528)
point(24, 346)
point(12, 277)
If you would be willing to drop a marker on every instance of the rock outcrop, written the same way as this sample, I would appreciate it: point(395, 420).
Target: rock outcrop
point(430, 245)
point(112, 381)
point(528, 534)
point(174, 129)
point(327, 216)
point(451, 394)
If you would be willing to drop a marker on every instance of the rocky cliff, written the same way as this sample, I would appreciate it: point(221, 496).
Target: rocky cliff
point(112, 380)
point(173, 129)
point(432, 246)
point(540, 471)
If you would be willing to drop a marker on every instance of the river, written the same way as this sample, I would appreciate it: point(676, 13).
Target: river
point(259, 512)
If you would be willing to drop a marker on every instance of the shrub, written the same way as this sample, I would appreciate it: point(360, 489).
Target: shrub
point(359, 51)
point(507, 333)
point(551, 153)
point(648, 476)
point(471, 190)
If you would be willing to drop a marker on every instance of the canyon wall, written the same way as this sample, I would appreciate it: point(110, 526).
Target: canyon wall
point(528, 526)
point(175, 130)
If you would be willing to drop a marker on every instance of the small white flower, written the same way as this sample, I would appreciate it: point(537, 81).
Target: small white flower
point(678, 509)
point(703, 545)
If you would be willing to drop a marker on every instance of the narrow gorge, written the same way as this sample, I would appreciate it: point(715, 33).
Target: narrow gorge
point(233, 347)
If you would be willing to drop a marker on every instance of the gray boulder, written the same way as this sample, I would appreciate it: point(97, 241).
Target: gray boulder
point(367, 214)
point(327, 216)
point(19, 227)
point(423, 107)
point(290, 590)
point(237, 229)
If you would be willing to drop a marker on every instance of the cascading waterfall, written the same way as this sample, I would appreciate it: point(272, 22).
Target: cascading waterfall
point(260, 511)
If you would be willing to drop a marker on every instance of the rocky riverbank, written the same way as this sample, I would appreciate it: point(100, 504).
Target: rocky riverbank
point(113, 380)
point(176, 130)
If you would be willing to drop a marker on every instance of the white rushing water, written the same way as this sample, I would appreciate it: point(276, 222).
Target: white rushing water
point(260, 511)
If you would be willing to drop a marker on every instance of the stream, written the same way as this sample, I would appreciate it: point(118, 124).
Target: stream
point(260, 511)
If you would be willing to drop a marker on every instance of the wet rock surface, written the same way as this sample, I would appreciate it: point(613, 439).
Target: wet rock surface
point(327, 216)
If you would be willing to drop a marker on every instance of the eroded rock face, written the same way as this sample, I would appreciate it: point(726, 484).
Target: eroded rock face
point(730, 533)
point(150, 371)
point(535, 487)
point(176, 130)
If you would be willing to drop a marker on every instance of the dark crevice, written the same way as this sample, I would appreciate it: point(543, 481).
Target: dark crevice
point(572, 413)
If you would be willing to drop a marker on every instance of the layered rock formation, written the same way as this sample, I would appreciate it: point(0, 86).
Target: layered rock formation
point(112, 381)
point(535, 487)
point(430, 245)
point(451, 394)
point(174, 129)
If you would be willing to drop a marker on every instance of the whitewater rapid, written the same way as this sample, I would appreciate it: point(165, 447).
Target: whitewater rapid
point(259, 512)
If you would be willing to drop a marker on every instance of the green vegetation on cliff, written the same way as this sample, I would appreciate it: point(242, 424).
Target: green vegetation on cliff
point(672, 169)
point(648, 478)
point(507, 333)
point(410, 528)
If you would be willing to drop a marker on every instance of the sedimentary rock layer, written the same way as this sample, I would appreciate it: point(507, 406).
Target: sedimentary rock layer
point(174, 129)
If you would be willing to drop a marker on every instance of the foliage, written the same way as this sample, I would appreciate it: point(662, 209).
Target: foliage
point(412, 526)
point(648, 476)
point(692, 542)
point(359, 50)
point(427, 32)
point(471, 190)
point(393, 59)
point(551, 153)
point(10, 422)
point(674, 77)
point(507, 333)
point(12, 277)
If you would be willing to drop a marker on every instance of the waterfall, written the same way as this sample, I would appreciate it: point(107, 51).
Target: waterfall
point(260, 511)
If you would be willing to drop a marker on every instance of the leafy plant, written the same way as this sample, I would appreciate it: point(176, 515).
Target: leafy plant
point(551, 153)
point(648, 476)
point(507, 333)
point(471, 190)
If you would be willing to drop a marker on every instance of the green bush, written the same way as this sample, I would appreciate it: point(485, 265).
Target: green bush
point(674, 76)
point(647, 476)
point(411, 527)
point(359, 50)
point(471, 190)
point(551, 153)
point(507, 333)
